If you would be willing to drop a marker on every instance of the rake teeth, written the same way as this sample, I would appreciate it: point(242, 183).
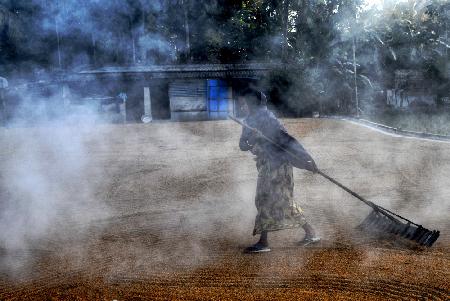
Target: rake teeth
point(426, 242)
point(378, 222)
point(393, 227)
point(418, 233)
point(370, 219)
point(387, 223)
point(400, 228)
point(423, 233)
point(376, 216)
point(404, 230)
point(424, 238)
point(433, 237)
point(410, 231)
point(389, 226)
point(375, 220)
point(383, 222)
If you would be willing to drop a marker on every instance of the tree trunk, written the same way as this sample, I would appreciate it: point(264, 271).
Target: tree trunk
point(184, 3)
point(302, 10)
point(58, 42)
point(354, 61)
point(143, 52)
point(285, 26)
point(94, 50)
point(355, 76)
point(133, 45)
point(118, 48)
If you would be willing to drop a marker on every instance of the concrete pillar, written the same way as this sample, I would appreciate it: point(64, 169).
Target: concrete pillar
point(3, 86)
point(123, 106)
point(66, 98)
point(147, 117)
point(2, 108)
point(230, 101)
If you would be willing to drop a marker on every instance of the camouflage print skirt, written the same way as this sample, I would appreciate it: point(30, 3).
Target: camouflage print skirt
point(275, 199)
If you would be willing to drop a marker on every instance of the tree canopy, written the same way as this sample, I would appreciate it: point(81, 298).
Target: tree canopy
point(332, 46)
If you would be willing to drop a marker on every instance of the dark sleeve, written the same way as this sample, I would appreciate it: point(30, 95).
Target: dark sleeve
point(296, 153)
point(271, 126)
point(293, 152)
point(247, 140)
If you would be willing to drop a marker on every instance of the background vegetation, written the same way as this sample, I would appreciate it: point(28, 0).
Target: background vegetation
point(332, 53)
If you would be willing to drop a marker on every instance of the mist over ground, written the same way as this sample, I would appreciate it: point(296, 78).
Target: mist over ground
point(174, 203)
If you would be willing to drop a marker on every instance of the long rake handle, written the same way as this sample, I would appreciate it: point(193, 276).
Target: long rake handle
point(348, 190)
point(374, 206)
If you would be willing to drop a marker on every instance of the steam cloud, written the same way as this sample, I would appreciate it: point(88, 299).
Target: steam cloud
point(53, 177)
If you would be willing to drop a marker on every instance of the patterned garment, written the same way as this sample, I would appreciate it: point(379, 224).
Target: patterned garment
point(275, 187)
point(275, 198)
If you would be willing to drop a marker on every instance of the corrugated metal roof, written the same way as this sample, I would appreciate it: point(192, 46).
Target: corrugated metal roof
point(183, 68)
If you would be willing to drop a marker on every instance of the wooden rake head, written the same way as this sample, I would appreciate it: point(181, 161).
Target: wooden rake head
point(382, 221)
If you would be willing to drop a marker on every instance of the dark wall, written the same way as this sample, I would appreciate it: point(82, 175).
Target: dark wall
point(159, 91)
point(135, 101)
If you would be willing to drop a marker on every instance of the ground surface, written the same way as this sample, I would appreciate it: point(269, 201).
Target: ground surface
point(163, 211)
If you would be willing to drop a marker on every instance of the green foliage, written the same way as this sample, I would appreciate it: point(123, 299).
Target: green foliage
point(313, 39)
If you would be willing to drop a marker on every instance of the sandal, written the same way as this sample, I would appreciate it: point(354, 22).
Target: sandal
point(308, 241)
point(257, 248)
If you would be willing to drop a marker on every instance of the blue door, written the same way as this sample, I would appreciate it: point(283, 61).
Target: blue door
point(218, 98)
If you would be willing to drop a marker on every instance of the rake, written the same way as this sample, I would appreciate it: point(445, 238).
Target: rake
point(384, 220)
point(380, 219)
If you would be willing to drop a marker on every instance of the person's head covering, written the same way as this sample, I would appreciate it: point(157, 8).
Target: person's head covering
point(254, 98)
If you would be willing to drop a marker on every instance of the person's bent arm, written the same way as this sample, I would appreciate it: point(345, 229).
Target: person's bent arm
point(248, 139)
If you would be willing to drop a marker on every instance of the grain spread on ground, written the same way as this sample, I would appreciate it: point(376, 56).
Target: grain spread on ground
point(179, 209)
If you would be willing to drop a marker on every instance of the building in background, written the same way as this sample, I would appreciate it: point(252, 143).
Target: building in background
point(410, 90)
point(131, 94)
point(173, 92)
